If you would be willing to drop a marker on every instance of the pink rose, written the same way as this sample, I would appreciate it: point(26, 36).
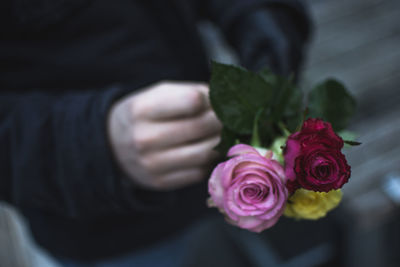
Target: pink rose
point(249, 188)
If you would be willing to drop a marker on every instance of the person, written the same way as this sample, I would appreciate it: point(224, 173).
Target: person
point(106, 132)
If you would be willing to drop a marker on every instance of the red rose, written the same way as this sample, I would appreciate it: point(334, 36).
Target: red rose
point(313, 159)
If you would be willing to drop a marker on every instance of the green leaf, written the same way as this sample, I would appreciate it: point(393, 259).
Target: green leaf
point(288, 99)
point(283, 90)
point(332, 102)
point(347, 135)
point(267, 129)
point(237, 95)
point(255, 138)
point(228, 139)
point(293, 113)
point(268, 76)
point(352, 143)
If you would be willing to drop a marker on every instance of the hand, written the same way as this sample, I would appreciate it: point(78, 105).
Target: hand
point(163, 137)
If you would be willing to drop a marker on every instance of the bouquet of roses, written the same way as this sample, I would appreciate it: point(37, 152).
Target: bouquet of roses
point(284, 157)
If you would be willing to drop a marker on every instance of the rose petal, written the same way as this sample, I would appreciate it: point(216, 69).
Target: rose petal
point(250, 188)
point(276, 168)
point(274, 211)
point(304, 168)
point(241, 149)
point(323, 131)
point(249, 222)
point(215, 187)
point(268, 223)
point(233, 207)
point(243, 161)
point(254, 176)
point(291, 152)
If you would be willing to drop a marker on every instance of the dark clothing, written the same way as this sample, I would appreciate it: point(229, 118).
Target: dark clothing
point(64, 62)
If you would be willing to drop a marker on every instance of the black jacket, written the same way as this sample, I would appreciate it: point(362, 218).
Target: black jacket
point(64, 62)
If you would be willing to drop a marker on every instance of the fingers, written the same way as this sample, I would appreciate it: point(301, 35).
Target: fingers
point(155, 136)
point(183, 157)
point(171, 100)
point(179, 179)
point(163, 136)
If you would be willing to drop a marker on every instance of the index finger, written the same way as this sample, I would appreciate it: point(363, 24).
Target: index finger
point(174, 100)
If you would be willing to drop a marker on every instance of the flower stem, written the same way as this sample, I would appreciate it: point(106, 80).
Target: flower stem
point(284, 129)
point(255, 138)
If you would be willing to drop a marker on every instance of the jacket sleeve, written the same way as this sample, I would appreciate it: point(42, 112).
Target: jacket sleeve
point(55, 155)
point(269, 33)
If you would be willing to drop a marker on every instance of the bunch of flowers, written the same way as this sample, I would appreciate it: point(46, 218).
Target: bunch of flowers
point(284, 157)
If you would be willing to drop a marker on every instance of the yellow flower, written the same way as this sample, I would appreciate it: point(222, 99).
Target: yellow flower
point(306, 204)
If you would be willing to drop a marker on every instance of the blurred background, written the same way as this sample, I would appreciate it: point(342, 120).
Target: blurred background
point(357, 42)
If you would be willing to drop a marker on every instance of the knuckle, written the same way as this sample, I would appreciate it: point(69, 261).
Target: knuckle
point(202, 157)
point(200, 126)
point(193, 132)
point(203, 88)
point(141, 142)
point(163, 85)
point(147, 163)
point(135, 110)
point(213, 120)
point(195, 100)
point(138, 108)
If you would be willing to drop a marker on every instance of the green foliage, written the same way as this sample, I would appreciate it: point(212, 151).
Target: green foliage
point(228, 139)
point(287, 101)
point(245, 102)
point(347, 135)
point(237, 95)
point(331, 102)
point(348, 138)
point(352, 143)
